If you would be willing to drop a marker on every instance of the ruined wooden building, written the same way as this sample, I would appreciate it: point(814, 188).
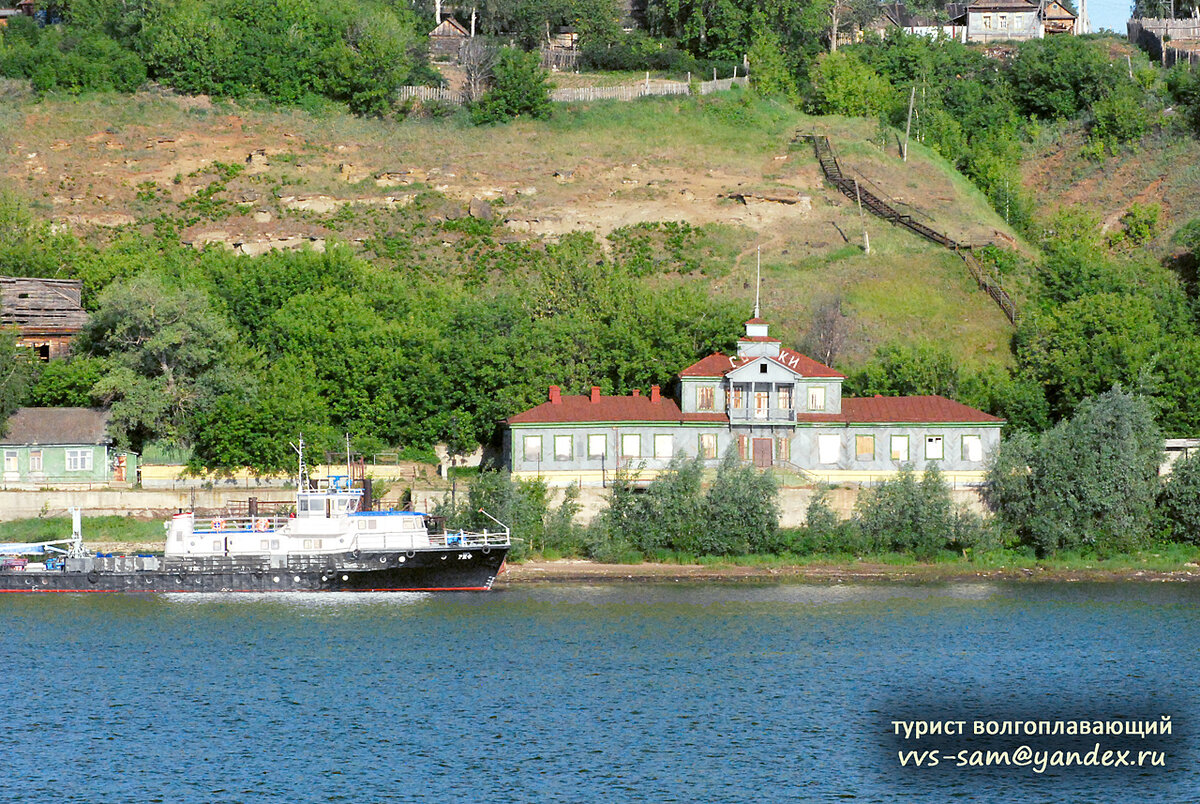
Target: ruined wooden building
point(47, 313)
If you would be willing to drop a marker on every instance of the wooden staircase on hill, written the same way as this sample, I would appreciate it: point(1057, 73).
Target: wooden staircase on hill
point(878, 207)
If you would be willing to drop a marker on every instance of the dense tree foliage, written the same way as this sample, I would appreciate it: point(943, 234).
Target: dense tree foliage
point(519, 89)
point(1090, 482)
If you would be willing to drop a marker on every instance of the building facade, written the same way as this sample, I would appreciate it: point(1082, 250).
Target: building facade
point(63, 447)
point(774, 406)
point(47, 313)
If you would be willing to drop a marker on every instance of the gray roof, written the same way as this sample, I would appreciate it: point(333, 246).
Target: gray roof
point(36, 303)
point(57, 426)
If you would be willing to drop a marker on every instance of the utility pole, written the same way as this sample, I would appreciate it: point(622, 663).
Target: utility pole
point(862, 220)
point(912, 97)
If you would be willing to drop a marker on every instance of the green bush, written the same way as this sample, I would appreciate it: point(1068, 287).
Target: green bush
point(1090, 483)
point(520, 88)
point(919, 518)
point(1180, 499)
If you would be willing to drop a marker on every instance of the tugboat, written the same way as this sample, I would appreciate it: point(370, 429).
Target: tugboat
point(326, 545)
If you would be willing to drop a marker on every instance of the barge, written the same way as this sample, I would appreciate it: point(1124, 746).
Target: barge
point(326, 544)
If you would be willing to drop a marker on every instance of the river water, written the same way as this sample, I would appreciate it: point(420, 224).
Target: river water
point(576, 693)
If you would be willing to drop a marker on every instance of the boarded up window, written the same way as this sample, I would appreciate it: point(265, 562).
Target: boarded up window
point(533, 448)
point(900, 448)
point(933, 448)
point(705, 397)
point(563, 448)
point(816, 397)
point(597, 446)
point(631, 446)
point(972, 448)
point(739, 397)
point(829, 448)
point(664, 446)
point(783, 449)
point(743, 443)
point(864, 447)
point(785, 397)
point(708, 445)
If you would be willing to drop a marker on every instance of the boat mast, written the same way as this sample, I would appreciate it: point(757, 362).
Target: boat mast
point(302, 475)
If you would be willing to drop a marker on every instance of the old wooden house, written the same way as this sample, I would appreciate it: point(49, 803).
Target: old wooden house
point(1016, 20)
point(46, 312)
point(446, 41)
point(63, 447)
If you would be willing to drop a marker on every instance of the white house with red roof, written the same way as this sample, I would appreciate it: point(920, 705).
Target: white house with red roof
point(775, 406)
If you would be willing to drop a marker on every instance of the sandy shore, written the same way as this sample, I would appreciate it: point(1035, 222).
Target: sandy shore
point(575, 571)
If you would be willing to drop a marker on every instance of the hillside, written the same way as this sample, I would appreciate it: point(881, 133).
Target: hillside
point(253, 179)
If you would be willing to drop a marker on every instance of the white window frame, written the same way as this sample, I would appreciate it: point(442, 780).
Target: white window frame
point(631, 438)
point(35, 460)
point(932, 453)
point(10, 460)
point(829, 448)
point(526, 441)
point(786, 395)
point(595, 439)
point(816, 397)
point(664, 446)
point(79, 460)
point(559, 440)
point(972, 448)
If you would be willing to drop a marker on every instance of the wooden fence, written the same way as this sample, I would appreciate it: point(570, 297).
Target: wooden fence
point(877, 206)
point(1153, 35)
point(628, 92)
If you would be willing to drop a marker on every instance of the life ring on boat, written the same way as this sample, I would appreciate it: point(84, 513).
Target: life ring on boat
point(262, 525)
point(93, 577)
point(217, 524)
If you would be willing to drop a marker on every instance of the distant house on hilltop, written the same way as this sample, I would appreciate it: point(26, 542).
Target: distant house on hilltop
point(1016, 20)
point(46, 312)
point(896, 16)
point(774, 406)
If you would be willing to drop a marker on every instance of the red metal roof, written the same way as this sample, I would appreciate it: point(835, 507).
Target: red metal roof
point(756, 321)
point(611, 409)
point(718, 365)
point(913, 409)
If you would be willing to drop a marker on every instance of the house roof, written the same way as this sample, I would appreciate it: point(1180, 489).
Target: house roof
point(718, 365)
point(33, 303)
point(449, 27)
point(611, 409)
point(912, 410)
point(1057, 11)
point(57, 426)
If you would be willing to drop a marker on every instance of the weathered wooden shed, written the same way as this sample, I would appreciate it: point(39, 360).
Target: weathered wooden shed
point(46, 312)
point(447, 39)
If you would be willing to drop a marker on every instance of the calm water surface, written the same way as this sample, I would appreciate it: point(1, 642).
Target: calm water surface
point(585, 693)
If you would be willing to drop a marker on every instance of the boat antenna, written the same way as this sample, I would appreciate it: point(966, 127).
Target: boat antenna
point(757, 281)
point(347, 457)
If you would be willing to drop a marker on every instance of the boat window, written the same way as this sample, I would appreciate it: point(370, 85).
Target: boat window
point(308, 544)
point(317, 543)
point(216, 545)
point(362, 524)
point(274, 544)
point(408, 523)
point(374, 525)
point(303, 504)
point(264, 545)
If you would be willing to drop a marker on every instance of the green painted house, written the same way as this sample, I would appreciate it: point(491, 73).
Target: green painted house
point(66, 447)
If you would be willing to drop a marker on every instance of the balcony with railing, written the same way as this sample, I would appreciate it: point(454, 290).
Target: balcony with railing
point(763, 415)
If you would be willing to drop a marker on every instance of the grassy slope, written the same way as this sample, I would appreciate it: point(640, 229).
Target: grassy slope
point(92, 154)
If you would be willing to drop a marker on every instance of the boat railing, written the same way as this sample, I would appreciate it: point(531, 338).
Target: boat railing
point(240, 524)
point(463, 538)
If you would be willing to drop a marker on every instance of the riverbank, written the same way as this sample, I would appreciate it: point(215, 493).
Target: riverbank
point(580, 571)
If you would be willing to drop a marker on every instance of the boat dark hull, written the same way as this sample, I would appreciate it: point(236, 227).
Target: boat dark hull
point(443, 570)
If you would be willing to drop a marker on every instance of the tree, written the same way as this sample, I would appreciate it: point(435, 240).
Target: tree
point(1090, 482)
point(1180, 499)
point(843, 84)
point(519, 88)
point(769, 73)
point(1060, 76)
point(16, 372)
point(741, 512)
point(162, 343)
point(906, 515)
point(476, 60)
